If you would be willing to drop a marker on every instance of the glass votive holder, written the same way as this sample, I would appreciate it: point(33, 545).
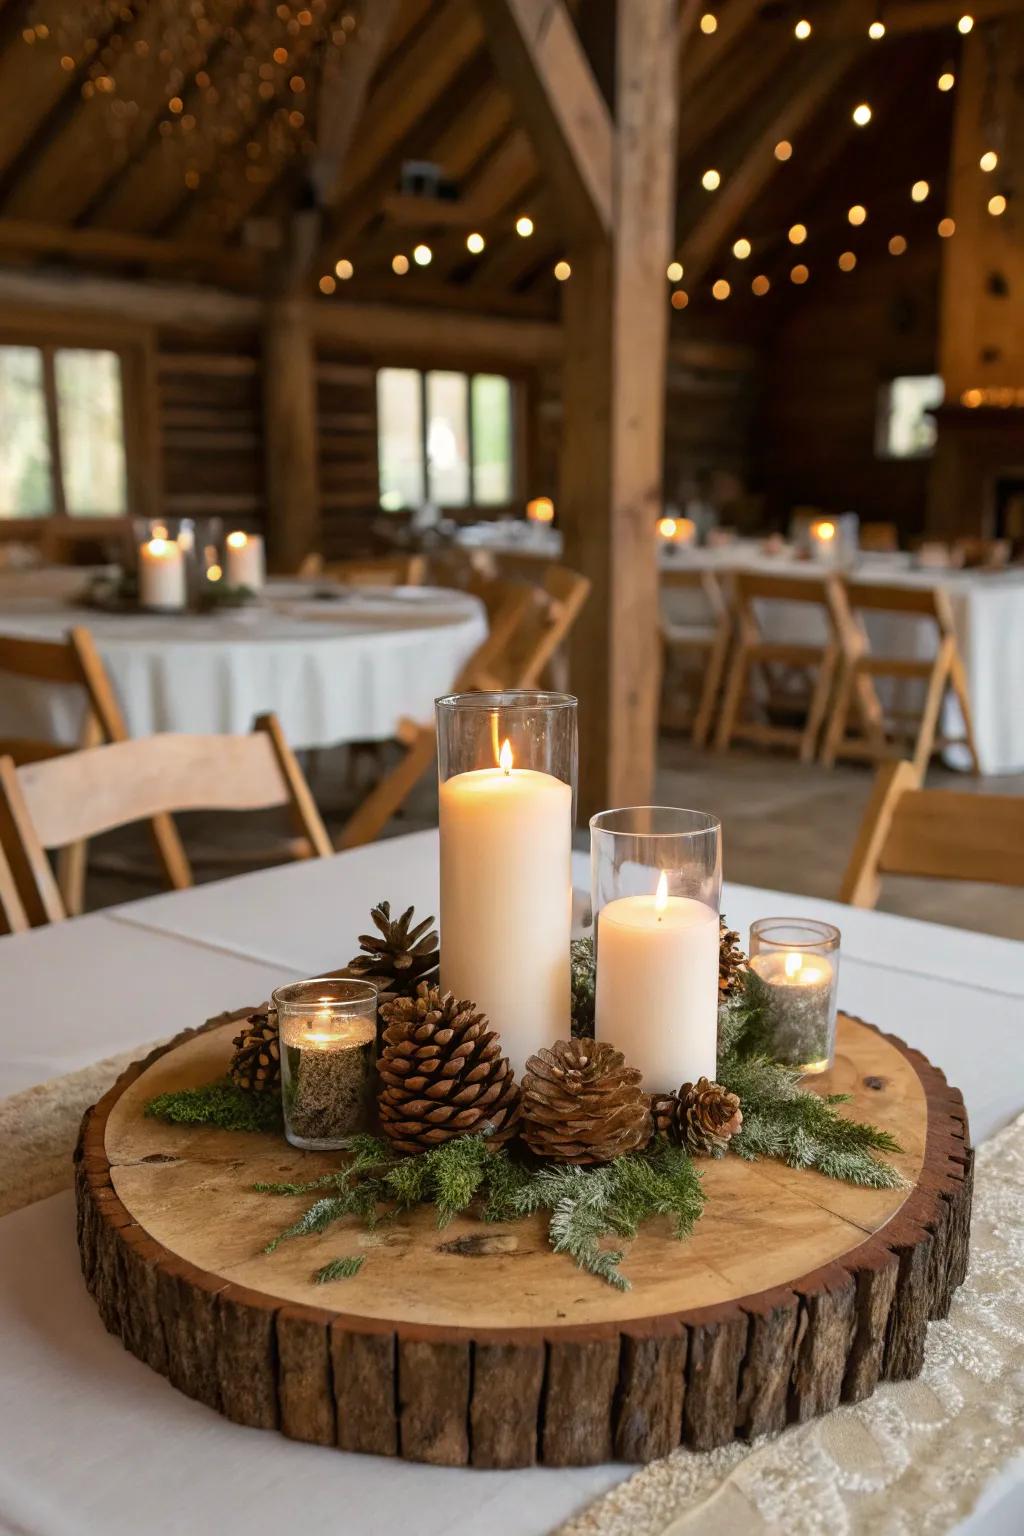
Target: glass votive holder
point(328, 1032)
point(798, 961)
point(656, 884)
point(506, 797)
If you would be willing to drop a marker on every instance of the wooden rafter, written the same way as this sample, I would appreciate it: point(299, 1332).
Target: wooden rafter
point(538, 52)
point(29, 237)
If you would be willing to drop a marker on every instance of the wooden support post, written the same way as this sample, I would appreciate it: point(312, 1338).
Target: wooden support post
point(290, 434)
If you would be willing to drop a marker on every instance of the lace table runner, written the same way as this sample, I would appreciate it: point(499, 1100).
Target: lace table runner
point(910, 1461)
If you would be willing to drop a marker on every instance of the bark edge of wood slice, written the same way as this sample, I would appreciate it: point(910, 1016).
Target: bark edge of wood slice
point(630, 1388)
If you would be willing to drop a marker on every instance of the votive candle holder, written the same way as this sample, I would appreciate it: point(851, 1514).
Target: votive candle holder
point(328, 1033)
point(797, 959)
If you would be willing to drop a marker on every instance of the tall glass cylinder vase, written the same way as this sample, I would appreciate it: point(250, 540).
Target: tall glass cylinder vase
point(656, 884)
point(507, 792)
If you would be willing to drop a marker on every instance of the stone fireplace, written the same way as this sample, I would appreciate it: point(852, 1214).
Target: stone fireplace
point(977, 477)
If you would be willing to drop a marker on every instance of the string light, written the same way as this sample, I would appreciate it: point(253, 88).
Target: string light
point(674, 271)
point(802, 30)
point(783, 150)
point(857, 214)
point(742, 249)
point(708, 23)
point(797, 234)
point(862, 114)
point(563, 271)
point(760, 285)
point(721, 289)
point(919, 191)
point(344, 269)
point(997, 204)
point(847, 261)
point(524, 226)
point(710, 180)
point(965, 24)
point(680, 298)
point(799, 273)
point(400, 265)
point(475, 243)
point(876, 30)
point(422, 255)
point(989, 160)
point(327, 283)
point(946, 80)
point(897, 245)
point(947, 227)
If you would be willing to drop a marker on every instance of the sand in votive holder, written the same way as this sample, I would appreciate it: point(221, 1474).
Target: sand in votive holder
point(328, 1056)
point(798, 961)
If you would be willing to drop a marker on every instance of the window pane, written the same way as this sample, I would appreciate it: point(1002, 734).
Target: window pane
point(905, 430)
point(400, 438)
point(91, 432)
point(448, 439)
point(25, 489)
point(492, 439)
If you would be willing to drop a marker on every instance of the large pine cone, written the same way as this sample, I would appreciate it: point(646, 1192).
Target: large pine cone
point(399, 956)
point(732, 962)
point(582, 1104)
point(442, 1073)
point(256, 1063)
point(702, 1117)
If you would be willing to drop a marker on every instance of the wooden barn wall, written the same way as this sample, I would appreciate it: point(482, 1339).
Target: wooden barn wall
point(814, 441)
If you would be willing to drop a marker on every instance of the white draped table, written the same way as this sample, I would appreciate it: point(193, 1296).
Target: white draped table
point(334, 670)
point(93, 1443)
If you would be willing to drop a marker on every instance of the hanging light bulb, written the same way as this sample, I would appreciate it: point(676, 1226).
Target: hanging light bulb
point(783, 150)
point(897, 245)
point(997, 204)
point(422, 255)
point(847, 261)
point(563, 271)
point(799, 273)
point(862, 114)
point(721, 289)
point(876, 30)
point(760, 285)
point(524, 226)
point(680, 298)
point(946, 80)
point(344, 269)
point(857, 214)
point(741, 249)
point(475, 243)
point(400, 264)
point(989, 160)
point(797, 234)
point(674, 271)
point(947, 227)
point(802, 30)
point(965, 24)
point(919, 191)
point(708, 23)
point(710, 180)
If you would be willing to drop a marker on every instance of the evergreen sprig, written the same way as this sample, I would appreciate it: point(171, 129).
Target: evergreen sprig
point(582, 972)
point(339, 1269)
point(221, 1104)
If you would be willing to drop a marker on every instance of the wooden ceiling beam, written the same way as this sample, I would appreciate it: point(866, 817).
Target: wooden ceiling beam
point(906, 16)
point(106, 245)
point(744, 183)
point(703, 54)
point(537, 51)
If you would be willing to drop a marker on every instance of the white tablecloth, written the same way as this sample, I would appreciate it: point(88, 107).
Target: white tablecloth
point(91, 1441)
point(333, 671)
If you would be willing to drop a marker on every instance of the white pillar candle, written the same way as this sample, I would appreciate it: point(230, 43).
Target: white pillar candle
point(657, 986)
point(506, 901)
point(161, 575)
point(826, 545)
point(243, 561)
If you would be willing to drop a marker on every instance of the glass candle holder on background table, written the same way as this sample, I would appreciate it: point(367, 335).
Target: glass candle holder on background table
point(328, 1032)
point(507, 792)
point(656, 884)
point(798, 961)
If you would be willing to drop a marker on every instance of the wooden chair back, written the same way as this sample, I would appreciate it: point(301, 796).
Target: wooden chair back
point(87, 540)
point(68, 799)
point(706, 582)
point(707, 641)
point(939, 834)
point(388, 571)
point(544, 616)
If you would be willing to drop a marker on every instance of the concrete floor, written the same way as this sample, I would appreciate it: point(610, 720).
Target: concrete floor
point(785, 826)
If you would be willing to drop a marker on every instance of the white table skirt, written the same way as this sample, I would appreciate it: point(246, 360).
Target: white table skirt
point(91, 1441)
point(333, 672)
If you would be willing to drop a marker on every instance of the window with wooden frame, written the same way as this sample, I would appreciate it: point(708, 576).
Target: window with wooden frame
point(63, 447)
point(445, 437)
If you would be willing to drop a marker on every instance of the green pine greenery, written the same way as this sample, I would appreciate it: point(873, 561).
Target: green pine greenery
point(339, 1269)
point(222, 1104)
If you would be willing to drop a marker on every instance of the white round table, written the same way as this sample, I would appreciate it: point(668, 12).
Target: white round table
point(334, 669)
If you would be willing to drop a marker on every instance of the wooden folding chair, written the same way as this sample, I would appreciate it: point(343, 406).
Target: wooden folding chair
point(388, 571)
point(856, 692)
point(527, 627)
point(75, 662)
point(940, 834)
point(752, 651)
point(50, 804)
point(87, 540)
point(707, 643)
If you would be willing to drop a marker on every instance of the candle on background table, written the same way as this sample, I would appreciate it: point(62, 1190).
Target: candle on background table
point(506, 900)
point(826, 546)
point(243, 561)
point(657, 985)
point(161, 575)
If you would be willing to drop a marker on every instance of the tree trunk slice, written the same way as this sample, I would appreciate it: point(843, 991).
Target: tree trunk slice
point(477, 1345)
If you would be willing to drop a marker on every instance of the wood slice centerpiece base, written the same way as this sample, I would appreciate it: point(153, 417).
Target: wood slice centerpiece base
point(476, 1344)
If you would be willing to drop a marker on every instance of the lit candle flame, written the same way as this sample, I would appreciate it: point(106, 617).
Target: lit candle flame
point(158, 546)
point(825, 531)
point(237, 540)
point(505, 757)
point(661, 894)
point(792, 965)
point(668, 527)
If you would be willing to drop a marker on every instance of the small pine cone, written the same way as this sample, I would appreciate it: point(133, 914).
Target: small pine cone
point(664, 1114)
point(442, 1073)
point(732, 962)
point(707, 1116)
point(399, 956)
point(582, 1104)
point(256, 1063)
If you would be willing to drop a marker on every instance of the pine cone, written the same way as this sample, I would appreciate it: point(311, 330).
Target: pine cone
point(582, 1104)
point(256, 1063)
point(732, 962)
point(664, 1109)
point(442, 1073)
point(702, 1117)
point(400, 958)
